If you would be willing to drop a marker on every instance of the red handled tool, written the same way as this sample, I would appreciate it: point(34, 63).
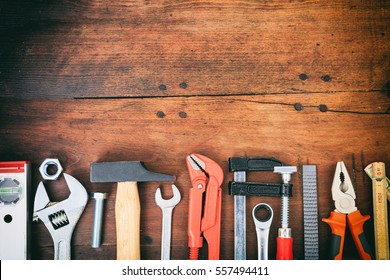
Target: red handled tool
point(344, 196)
point(284, 241)
point(204, 217)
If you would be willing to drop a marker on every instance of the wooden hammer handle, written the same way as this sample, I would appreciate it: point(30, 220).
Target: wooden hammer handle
point(127, 214)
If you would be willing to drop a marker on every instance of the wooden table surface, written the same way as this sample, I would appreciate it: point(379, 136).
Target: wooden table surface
point(306, 82)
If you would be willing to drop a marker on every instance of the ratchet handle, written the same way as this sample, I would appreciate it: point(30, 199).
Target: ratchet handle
point(356, 222)
point(284, 248)
point(337, 223)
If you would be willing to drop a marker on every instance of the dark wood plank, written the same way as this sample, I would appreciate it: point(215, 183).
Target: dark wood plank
point(171, 48)
point(354, 128)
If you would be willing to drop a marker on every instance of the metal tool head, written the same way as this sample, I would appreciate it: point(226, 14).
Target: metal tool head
point(286, 172)
point(60, 218)
point(65, 212)
point(343, 192)
point(262, 216)
point(165, 203)
point(199, 165)
point(78, 195)
point(125, 171)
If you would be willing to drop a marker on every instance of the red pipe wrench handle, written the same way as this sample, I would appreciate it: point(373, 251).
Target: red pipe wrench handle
point(195, 239)
point(213, 234)
point(284, 248)
point(337, 222)
point(356, 222)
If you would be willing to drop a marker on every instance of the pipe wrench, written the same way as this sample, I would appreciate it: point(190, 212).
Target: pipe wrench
point(60, 218)
point(206, 179)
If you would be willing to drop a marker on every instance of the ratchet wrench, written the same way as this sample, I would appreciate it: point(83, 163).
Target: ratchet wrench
point(262, 216)
point(167, 206)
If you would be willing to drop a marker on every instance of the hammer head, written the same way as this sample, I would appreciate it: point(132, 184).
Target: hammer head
point(125, 171)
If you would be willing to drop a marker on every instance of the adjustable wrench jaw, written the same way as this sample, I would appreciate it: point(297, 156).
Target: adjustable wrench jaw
point(60, 218)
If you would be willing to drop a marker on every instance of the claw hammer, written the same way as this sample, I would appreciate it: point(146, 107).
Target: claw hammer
point(127, 204)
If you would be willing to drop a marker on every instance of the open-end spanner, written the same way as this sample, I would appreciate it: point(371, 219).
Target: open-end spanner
point(167, 209)
point(262, 217)
point(60, 218)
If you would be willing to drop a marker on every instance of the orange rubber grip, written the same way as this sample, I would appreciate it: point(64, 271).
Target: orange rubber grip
point(284, 248)
point(337, 222)
point(356, 222)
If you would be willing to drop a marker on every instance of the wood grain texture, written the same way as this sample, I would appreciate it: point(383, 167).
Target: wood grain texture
point(127, 214)
point(175, 48)
point(163, 131)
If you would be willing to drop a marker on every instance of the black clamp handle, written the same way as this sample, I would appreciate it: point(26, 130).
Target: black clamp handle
point(260, 189)
point(253, 164)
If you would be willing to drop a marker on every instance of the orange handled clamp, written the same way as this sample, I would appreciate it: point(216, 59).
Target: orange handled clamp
point(344, 197)
point(204, 219)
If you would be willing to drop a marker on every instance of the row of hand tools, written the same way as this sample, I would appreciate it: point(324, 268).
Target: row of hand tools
point(204, 208)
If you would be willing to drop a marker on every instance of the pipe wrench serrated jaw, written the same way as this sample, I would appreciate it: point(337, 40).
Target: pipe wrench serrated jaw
point(204, 215)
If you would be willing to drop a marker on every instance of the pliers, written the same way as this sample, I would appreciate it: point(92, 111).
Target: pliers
point(344, 196)
point(206, 179)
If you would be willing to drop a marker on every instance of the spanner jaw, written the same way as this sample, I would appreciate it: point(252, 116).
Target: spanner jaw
point(172, 202)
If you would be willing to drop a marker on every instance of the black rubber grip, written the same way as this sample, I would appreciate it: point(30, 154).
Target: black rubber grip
point(259, 189)
point(334, 246)
point(365, 244)
point(253, 164)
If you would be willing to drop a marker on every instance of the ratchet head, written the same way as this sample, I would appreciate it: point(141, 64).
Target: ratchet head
point(262, 216)
point(165, 203)
point(343, 192)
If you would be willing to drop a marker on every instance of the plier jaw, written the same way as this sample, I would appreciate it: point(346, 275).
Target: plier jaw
point(345, 212)
point(343, 192)
point(204, 214)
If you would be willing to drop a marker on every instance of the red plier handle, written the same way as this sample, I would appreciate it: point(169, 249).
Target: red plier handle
point(337, 222)
point(204, 219)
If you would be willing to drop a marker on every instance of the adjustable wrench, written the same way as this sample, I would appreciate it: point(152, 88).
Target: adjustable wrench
point(167, 206)
point(60, 218)
point(262, 223)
